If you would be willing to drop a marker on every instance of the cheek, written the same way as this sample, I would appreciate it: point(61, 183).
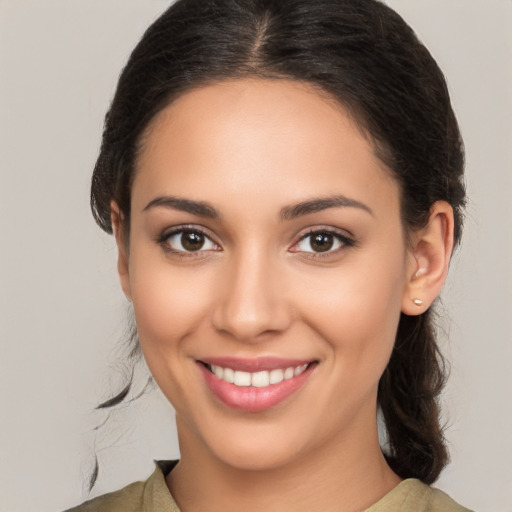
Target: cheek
point(169, 302)
point(169, 307)
point(356, 308)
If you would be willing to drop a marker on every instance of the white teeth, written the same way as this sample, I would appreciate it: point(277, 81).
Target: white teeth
point(260, 379)
point(229, 375)
point(219, 372)
point(257, 379)
point(276, 376)
point(289, 373)
point(299, 369)
point(242, 379)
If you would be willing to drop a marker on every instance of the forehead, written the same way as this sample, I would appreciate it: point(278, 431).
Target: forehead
point(258, 138)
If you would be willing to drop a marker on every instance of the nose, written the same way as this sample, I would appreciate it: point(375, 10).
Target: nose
point(252, 299)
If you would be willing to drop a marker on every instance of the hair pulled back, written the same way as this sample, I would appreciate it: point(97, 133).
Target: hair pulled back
point(365, 56)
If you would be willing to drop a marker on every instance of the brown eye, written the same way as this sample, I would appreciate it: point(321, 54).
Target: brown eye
point(321, 242)
point(192, 240)
point(317, 242)
point(188, 240)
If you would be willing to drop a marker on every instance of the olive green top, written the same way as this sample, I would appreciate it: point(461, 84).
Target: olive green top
point(153, 495)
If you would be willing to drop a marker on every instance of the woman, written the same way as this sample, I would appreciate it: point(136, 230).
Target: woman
point(284, 183)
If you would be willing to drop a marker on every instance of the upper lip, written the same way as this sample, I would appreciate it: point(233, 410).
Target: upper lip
point(255, 364)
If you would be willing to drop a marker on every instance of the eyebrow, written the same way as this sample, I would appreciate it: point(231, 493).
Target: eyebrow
point(185, 205)
point(322, 203)
point(290, 212)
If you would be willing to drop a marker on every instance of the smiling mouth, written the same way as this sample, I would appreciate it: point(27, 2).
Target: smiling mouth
point(258, 379)
point(255, 385)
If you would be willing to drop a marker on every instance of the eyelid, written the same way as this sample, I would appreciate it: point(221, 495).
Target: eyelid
point(167, 233)
point(346, 239)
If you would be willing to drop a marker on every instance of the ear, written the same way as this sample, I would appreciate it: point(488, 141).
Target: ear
point(429, 256)
point(123, 269)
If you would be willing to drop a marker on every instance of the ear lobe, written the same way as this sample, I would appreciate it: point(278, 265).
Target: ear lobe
point(123, 269)
point(429, 259)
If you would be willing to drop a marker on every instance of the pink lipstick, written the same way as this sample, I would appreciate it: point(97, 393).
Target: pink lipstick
point(254, 385)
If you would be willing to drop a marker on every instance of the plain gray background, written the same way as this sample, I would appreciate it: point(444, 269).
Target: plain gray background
point(62, 311)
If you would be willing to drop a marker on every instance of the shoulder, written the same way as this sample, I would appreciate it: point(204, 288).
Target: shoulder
point(151, 495)
point(438, 501)
point(412, 495)
point(127, 499)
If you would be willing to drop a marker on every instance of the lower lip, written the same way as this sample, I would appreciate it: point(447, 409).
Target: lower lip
point(252, 399)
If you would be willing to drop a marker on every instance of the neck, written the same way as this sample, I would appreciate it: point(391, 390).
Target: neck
point(348, 477)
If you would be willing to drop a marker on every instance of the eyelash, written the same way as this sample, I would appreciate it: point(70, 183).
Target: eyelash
point(163, 240)
point(344, 240)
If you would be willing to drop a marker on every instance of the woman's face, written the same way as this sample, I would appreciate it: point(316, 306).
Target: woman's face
point(265, 235)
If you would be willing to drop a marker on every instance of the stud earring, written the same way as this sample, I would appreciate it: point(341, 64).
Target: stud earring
point(418, 302)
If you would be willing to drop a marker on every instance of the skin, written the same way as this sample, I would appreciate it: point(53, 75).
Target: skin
point(251, 148)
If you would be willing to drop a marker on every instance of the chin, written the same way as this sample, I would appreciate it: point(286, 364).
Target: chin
point(262, 447)
point(254, 458)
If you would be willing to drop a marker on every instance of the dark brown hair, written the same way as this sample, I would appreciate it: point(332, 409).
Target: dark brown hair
point(364, 55)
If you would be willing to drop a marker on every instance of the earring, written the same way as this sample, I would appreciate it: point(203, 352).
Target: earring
point(418, 302)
